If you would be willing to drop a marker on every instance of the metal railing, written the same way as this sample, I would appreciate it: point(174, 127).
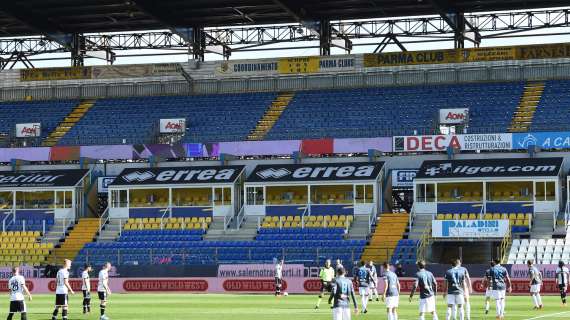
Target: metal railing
point(372, 219)
point(12, 226)
point(240, 217)
point(411, 216)
point(12, 215)
point(104, 219)
point(424, 242)
point(158, 256)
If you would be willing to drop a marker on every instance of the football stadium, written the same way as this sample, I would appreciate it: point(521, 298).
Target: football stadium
point(284, 159)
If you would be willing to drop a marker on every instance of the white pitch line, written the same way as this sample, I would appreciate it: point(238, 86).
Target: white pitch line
point(548, 315)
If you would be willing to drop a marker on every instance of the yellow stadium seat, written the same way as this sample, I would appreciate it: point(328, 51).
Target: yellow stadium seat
point(297, 218)
point(289, 218)
point(463, 216)
point(472, 216)
point(496, 216)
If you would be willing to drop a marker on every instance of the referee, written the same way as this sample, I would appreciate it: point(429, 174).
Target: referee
point(326, 275)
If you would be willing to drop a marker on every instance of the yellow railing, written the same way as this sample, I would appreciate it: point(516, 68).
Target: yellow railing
point(505, 244)
point(423, 244)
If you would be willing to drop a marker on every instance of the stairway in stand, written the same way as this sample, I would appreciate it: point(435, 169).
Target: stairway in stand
point(83, 232)
point(69, 122)
point(272, 114)
point(389, 230)
point(522, 119)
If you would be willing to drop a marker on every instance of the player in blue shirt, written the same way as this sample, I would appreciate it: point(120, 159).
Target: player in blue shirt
point(342, 294)
point(468, 291)
point(535, 278)
point(426, 284)
point(391, 294)
point(455, 284)
point(500, 284)
point(364, 278)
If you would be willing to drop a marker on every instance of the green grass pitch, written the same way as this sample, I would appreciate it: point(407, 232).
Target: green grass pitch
point(264, 307)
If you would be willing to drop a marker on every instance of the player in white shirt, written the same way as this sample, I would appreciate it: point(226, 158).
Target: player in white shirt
point(17, 287)
point(62, 290)
point(535, 283)
point(103, 289)
point(374, 284)
point(562, 276)
point(86, 288)
point(278, 277)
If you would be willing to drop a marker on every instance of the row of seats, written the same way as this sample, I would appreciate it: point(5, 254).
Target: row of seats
point(25, 245)
point(24, 251)
point(486, 216)
point(159, 232)
point(301, 231)
point(298, 218)
point(308, 224)
point(173, 226)
point(405, 252)
point(542, 251)
point(169, 220)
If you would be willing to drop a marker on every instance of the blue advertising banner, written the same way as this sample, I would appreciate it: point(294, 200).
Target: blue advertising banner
point(544, 140)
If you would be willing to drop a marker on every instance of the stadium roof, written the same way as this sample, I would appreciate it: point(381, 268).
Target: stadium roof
point(33, 17)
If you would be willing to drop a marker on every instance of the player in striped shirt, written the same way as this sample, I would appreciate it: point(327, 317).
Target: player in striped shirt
point(86, 288)
point(562, 275)
point(535, 278)
point(17, 287)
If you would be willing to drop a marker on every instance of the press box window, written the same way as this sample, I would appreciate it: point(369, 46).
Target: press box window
point(254, 196)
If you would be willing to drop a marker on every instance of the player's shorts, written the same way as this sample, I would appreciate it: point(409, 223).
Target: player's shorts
point(61, 300)
point(562, 288)
point(326, 286)
point(392, 302)
point(363, 291)
point(341, 313)
point(499, 294)
point(488, 293)
point(102, 295)
point(427, 304)
point(535, 288)
point(17, 306)
point(86, 294)
point(278, 282)
point(372, 285)
point(455, 299)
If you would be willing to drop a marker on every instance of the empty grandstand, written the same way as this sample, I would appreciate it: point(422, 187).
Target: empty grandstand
point(412, 130)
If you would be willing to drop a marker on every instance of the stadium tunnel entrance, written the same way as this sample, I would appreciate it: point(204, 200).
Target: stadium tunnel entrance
point(33, 200)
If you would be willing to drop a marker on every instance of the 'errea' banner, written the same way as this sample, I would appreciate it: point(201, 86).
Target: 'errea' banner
point(178, 175)
point(512, 167)
point(469, 228)
point(440, 143)
point(316, 172)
